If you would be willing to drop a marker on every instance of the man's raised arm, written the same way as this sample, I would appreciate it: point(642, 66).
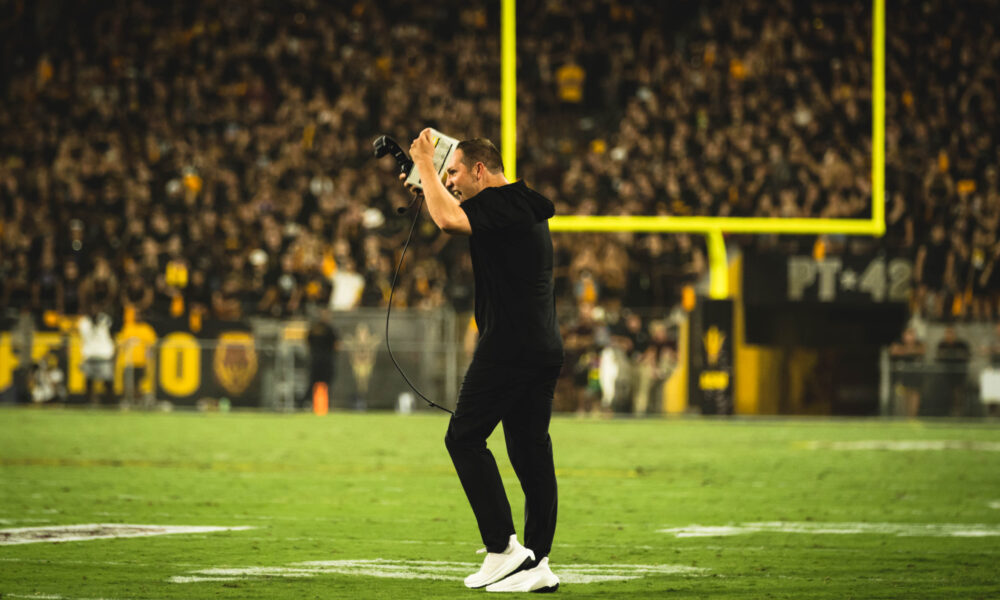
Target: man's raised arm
point(443, 207)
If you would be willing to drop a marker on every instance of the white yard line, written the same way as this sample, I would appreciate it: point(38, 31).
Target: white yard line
point(54, 597)
point(429, 569)
point(975, 530)
point(99, 531)
point(98, 563)
point(21, 520)
point(904, 445)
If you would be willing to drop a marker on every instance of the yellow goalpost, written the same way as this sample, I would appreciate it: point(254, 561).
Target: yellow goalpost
point(711, 227)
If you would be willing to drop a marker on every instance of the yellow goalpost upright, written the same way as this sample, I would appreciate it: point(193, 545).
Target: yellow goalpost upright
point(748, 394)
point(711, 227)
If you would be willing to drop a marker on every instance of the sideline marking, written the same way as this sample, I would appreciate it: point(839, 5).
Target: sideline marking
point(896, 529)
point(995, 504)
point(98, 531)
point(429, 569)
point(904, 445)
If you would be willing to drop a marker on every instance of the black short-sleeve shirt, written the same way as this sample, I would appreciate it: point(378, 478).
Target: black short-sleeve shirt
point(512, 264)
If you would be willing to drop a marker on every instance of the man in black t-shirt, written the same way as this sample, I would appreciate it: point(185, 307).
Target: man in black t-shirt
point(517, 359)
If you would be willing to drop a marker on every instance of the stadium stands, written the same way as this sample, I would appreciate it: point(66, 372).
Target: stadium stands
point(222, 150)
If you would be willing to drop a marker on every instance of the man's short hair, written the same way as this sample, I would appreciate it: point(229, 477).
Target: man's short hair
point(481, 150)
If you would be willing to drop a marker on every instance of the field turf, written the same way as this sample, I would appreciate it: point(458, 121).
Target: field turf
point(688, 508)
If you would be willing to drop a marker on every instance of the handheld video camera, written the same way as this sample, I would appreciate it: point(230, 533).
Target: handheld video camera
point(386, 145)
point(444, 147)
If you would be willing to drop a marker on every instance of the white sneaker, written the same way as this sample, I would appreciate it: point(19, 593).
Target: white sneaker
point(539, 579)
point(496, 566)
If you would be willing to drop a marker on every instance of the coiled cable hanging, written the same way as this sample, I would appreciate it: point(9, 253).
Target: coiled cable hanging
point(388, 311)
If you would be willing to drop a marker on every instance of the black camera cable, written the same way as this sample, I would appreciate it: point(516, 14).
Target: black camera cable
point(392, 289)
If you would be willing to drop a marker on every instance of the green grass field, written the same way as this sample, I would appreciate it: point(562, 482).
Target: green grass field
point(752, 508)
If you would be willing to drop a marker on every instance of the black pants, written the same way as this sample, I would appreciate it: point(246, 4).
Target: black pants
point(520, 397)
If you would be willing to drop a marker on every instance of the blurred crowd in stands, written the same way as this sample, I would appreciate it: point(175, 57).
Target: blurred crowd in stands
point(214, 159)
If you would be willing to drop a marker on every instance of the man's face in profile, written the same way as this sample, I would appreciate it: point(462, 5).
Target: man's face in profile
point(460, 180)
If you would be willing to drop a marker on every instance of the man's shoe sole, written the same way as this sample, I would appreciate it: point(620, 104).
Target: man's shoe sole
point(544, 590)
point(500, 575)
point(523, 580)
